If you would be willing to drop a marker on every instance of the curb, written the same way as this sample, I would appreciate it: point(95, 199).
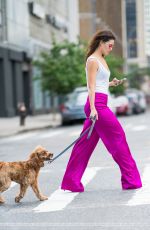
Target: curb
point(28, 130)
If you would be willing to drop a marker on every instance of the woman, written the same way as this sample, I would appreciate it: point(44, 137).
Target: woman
point(107, 127)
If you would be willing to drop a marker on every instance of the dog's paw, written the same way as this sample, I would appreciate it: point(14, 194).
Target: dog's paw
point(17, 199)
point(43, 198)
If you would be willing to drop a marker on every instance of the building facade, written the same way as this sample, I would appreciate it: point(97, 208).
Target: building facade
point(147, 26)
point(14, 61)
point(27, 28)
point(96, 14)
point(136, 36)
point(129, 20)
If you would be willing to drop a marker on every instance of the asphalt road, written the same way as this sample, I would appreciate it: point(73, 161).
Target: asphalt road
point(103, 205)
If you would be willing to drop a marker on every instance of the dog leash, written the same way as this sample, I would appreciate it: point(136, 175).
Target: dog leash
point(90, 129)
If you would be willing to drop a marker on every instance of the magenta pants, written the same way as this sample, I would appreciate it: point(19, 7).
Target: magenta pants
point(108, 129)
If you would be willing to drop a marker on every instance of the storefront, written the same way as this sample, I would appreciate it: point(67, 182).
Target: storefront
point(15, 82)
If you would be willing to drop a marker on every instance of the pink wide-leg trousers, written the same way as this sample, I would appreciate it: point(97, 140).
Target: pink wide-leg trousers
point(108, 129)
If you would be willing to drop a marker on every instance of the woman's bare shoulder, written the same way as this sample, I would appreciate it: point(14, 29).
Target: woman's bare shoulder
point(92, 63)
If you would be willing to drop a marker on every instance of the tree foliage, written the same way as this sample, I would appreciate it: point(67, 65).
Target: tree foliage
point(116, 68)
point(62, 67)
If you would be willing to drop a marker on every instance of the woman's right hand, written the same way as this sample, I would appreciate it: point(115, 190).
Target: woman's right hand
point(93, 114)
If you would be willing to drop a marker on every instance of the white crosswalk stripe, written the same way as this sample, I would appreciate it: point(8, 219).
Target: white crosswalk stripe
point(60, 199)
point(19, 137)
point(53, 133)
point(128, 126)
point(50, 134)
point(75, 133)
point(13, 184)
point(32, 135)
point(142, 196)
point(140, 128)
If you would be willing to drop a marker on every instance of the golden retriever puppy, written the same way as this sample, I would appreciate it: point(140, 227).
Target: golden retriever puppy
point(24, 173)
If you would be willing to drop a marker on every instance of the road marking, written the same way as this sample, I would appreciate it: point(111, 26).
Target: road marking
point(60, 199)
point(133, 225)
point(50, 134)
point(128, 126)
point(19, 137)
point(75, 133)
point(46, 171)
point(31, 135)
point(139, 128)
point(12, 184)
point(142, 196)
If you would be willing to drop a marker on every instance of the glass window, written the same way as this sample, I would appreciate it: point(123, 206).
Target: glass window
point(0, 12)
point(37, 92)
point(131, 28)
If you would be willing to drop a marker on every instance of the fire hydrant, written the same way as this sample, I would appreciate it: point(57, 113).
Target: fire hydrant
point(22, 113)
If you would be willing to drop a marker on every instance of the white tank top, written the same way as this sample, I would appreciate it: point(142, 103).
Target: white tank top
point(102, 77)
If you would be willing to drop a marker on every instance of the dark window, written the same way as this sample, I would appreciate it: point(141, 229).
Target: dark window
point(2, 99)
point(131, 28)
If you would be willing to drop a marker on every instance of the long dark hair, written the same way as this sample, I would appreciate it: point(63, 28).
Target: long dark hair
point(104, 36)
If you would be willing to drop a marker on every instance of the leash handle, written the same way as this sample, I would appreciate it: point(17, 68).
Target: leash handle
point(90, 129)
point(92, 126)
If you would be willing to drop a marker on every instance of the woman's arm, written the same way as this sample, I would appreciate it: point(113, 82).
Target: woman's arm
point(92, 67)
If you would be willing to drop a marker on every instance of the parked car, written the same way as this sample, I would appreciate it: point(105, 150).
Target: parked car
point(112, 102)
point(137, 99)
point(123, 106)
point(133, 101)
point(73, 108)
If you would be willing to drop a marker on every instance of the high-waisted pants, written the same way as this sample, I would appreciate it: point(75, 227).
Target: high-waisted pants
point(109, 130)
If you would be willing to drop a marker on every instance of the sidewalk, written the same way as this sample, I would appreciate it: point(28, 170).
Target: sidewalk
point(11, 126)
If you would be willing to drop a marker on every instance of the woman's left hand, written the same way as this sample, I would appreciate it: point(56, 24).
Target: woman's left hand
point(116, 82)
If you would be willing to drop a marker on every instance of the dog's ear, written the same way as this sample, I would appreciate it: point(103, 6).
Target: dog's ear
point(33, 155)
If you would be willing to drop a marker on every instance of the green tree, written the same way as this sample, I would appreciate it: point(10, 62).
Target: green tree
point(116, 68)
point(62, 68)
